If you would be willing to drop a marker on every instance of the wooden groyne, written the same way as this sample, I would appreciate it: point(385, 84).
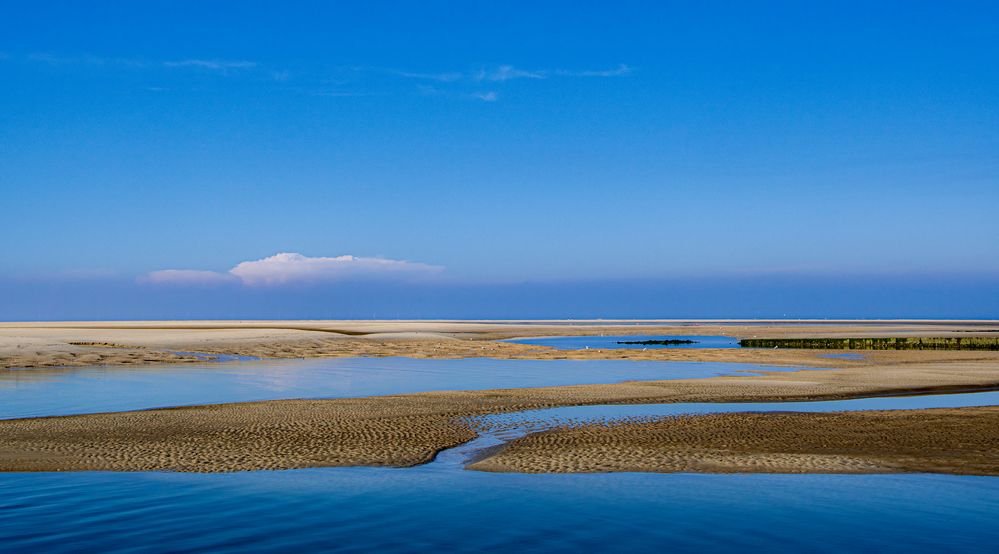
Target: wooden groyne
point(889, 343)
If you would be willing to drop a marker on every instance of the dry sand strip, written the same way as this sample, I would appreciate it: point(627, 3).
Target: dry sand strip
point(402, 430)
point(958, 441)
point(33, 345)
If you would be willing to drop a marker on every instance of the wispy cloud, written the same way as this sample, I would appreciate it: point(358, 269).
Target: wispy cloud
point(456, 84)
point(447, 77)
point(88, 59)
point(619, 71)
point(340, 93)
point(292, 268)
point(217, 65)
point(351, 80)
point(503, 73)
point(508, 72)
point(85, 59)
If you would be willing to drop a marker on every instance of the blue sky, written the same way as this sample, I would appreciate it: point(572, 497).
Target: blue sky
point(592, 147)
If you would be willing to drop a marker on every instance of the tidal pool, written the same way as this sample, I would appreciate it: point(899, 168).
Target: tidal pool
point(77, 390)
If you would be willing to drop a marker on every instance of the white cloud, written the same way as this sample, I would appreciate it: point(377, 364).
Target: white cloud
point(446, 77)
point(490, 96)
point(507, 72)
point(291, 268)
point(212, 64)
point(616, 72)
point(340, 93)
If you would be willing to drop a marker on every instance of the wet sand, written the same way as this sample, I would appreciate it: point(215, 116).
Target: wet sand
point(68, 344)
point(958, 441)
point(405, 430)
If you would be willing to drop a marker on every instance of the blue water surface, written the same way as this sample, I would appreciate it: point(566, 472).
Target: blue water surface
point(404, 510)
point(78, 390)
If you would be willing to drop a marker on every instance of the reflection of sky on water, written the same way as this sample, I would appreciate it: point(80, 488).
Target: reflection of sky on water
point(40, 392)
point(407, 510)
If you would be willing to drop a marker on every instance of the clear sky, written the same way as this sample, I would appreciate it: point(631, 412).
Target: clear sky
point(499, 159)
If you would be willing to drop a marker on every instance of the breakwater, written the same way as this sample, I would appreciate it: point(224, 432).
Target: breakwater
point(884, 343)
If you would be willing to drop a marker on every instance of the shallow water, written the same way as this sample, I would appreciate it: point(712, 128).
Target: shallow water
point(439, 506)
point(606, 412)
point(42, 392)
point(611, 342)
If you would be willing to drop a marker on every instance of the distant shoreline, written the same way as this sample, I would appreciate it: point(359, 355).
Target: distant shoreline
point(68, 344)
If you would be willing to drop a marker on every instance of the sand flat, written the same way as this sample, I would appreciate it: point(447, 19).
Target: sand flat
point(957, 441)
point(52, 344)
point(405, 430)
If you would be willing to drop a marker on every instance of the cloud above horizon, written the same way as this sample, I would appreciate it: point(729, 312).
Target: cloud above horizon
point(352, 80)
point(212, 64)
point(508, 72)
point(288, 268)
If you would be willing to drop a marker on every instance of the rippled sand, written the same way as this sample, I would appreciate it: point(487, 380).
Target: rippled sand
point(405, 430)
point(961, 441)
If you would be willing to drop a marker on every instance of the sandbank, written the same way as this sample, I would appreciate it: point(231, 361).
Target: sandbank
point(957, 441)
point(405, 430)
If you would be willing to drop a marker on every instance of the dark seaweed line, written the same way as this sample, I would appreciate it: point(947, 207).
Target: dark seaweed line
point(664, 342)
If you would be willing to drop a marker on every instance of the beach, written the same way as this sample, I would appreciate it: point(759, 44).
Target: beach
point(410, 429)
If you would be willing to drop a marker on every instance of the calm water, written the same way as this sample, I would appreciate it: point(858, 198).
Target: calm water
point(440, 507)
point(403, 510)
point(596, 413)
point(31, 393)
point(579, 343)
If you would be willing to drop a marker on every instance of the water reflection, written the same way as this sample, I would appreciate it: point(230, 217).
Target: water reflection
point(398, 510)
point(42, 392)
